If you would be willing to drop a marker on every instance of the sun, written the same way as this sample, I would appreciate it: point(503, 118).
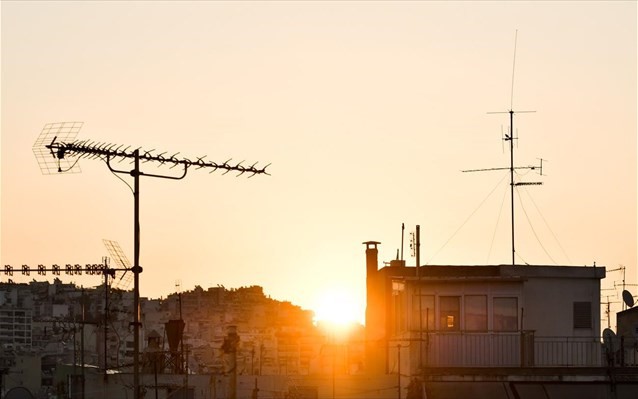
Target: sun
point(337, 309)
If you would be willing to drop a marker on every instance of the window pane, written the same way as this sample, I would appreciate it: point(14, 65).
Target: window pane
point(505, 314)
point(450, 312)
point(476, 312)
point(398, 296)
point(427, 312)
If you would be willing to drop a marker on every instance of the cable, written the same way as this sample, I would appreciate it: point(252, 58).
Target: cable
point(498, 219)
point(534, 231)
point(69, 168)
point(125, 182)
point(466, 220)
point(547, 225)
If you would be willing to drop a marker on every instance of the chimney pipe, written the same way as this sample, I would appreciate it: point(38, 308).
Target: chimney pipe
point(372, 254)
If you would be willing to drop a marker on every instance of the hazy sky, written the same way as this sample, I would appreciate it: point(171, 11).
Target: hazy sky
point(368, 111)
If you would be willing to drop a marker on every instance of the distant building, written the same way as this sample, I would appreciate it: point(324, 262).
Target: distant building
point(15, 329)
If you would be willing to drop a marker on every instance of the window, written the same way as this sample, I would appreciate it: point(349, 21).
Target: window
point(427, 312)
point(398, 297)
point(582, 314)
point(505, 314)
point(476, 312)
point(450, 313)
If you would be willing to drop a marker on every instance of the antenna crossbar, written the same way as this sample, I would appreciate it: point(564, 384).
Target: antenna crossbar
point(507, 168)
point(529, 183)
point(56, 270)
point(96, 150)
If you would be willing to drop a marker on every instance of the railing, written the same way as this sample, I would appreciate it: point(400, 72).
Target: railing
point(517, 349)
point(472, 349)
point(568, 351)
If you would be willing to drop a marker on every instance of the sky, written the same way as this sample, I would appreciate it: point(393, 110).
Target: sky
point(366, 111)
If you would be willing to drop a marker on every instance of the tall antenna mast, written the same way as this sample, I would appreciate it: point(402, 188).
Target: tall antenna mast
point(511, 137)
point(56, 144)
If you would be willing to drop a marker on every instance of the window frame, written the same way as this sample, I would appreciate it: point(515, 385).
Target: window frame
point(501, 327)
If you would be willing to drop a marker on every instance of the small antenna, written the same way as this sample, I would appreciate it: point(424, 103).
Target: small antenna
point(50, 158)
point(121, 261)
point(513, 69)
point(412, 244)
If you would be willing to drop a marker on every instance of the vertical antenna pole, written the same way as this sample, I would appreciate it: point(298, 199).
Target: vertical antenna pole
point(106, 317)
point(418, 274)
point(402, 234)
point(82, 386)
point(136, 279)
point(399, 371)
point(512, 180)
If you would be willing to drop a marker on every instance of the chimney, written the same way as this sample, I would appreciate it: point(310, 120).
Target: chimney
point(375, 312)
point(372, 264)
point(397, 263)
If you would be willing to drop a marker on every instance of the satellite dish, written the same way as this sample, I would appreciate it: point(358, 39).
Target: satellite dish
point(628, 298)
point(608, 338)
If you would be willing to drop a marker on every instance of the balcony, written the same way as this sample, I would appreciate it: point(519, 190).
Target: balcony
point(510, 349)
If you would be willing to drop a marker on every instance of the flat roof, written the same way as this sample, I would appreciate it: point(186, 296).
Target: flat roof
point(501, 271)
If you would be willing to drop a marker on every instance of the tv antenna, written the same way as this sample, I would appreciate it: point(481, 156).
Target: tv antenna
point(510, 137)
point(57, 151)
point(122, 262)
point(608, 310)
point(623, 270)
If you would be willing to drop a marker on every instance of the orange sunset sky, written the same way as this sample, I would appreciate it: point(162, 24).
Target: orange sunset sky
point(368, 112)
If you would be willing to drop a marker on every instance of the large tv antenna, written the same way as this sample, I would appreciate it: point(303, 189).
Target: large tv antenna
point(510, 137)
point(57, 150)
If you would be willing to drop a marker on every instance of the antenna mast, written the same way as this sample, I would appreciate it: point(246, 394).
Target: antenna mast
point(510, 137)
point(56, 144)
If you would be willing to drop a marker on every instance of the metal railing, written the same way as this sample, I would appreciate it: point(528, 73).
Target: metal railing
point(518, 349)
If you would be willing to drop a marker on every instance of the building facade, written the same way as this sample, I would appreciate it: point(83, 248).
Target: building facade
point(481, 316)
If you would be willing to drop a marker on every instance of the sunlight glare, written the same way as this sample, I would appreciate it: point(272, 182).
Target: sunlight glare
point(337, 310)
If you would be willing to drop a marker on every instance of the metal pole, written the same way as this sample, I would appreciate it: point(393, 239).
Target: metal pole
point(418, 274)
point(334, 364)
point(399, 371)
point(512, 179)
point(82, 387)
point(402, 233)
point(136, 278)
point(106, 319)
point(75, 357)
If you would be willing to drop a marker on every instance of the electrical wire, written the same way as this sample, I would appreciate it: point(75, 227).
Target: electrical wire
point(498, 219)
point(466, 220)
point(69, 168)
point(124, 181)
point(548, 227)
point(520, 200)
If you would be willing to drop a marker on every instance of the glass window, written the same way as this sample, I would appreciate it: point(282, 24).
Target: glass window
point(427, 312)
point(505, 314)
point(449, 313)
point(476, 312)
